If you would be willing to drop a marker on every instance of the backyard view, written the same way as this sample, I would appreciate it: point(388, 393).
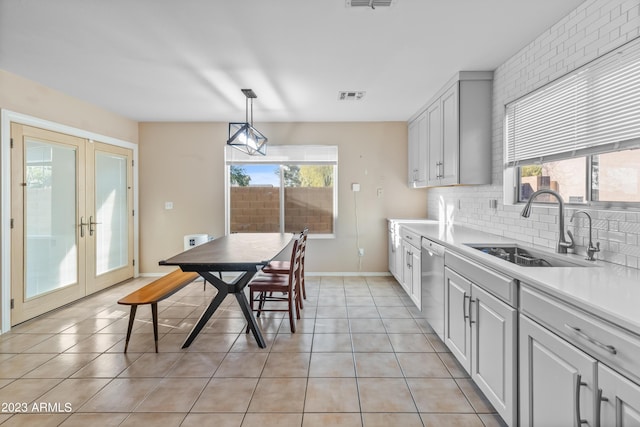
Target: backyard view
point(306, 191)
point(615, 177)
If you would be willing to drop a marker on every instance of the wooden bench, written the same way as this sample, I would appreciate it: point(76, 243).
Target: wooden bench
point(155, 291)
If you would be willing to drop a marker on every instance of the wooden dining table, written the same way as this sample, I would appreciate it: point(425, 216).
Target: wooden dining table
point(242, 253)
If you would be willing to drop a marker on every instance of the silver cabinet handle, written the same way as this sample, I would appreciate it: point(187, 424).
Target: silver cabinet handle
point(464, 306)
point(576, 394)
point(91, 224)
point(601, 399)
point(471, 301)
point(82, 226)
point(611, 349)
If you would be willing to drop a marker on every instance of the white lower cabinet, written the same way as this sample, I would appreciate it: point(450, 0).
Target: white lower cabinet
point(395, 250)
point(619, 399)
point(480, 331)
point(411, 259)
point(557, 380)
point(575, 368)
point(457, 330)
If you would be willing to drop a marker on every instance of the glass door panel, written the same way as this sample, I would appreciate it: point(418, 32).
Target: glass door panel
point(110, 207)
point(111, 225)
point(48, 264)
point(51, 250)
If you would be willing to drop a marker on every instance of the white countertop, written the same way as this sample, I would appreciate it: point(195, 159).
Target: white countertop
point(607, 290)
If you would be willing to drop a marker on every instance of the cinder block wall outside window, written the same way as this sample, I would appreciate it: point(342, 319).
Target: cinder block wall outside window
point(257, 209)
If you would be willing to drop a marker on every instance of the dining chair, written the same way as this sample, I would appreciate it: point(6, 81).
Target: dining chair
point(283, 267)
point(279, 288)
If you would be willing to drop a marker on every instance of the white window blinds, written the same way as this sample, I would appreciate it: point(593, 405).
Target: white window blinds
point(286, 154)
point(592, 110)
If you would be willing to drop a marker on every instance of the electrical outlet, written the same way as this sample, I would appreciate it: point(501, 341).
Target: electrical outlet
point(360, 251)
point(168, 205)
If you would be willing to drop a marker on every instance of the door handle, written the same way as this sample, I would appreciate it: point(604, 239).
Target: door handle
point(82, 225)
point(91, 224)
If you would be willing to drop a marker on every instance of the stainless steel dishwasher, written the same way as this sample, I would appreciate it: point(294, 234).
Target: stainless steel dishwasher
point(432, 284)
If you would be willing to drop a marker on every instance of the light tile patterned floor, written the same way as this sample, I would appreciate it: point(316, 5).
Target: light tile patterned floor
point(362, 356)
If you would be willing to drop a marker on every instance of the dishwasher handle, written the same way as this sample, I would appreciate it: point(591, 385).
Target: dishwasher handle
point(432, 247)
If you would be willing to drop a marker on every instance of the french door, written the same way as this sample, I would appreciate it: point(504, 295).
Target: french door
point(71, 208)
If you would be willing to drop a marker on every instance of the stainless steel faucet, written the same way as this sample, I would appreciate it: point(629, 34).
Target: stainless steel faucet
point(562, 245)
point(590, 249)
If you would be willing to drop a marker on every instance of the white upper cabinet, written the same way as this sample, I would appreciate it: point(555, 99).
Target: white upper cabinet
point(458, 132)
point(418, 152)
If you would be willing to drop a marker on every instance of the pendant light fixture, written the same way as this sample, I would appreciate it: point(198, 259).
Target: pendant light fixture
point(244, 136)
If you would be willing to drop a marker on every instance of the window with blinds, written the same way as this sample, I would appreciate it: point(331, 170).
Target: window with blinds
point(582, 117)
point(590, 110)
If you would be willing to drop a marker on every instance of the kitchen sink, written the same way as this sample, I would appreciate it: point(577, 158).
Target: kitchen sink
point(528, 257)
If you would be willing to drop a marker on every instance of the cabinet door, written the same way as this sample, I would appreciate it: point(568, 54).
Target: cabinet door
point(418, 152)
point(457, 333)
point(399, 258)
point(406, 267)
point(620, 406)
point(412, 152)
point(450, 156)
point(392, 253)
point(557, 380)
point(416, 291)
point(434, 143)
point(494, 349)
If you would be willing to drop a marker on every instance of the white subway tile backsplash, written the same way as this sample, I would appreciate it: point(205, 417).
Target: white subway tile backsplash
point(595, 27)
point(612, 236)
point(632, 250)
point(600, 224)
point(549, 219)
point(543, 242)
point(629, 227)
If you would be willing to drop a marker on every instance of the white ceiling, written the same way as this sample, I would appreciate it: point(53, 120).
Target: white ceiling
point(186, 60)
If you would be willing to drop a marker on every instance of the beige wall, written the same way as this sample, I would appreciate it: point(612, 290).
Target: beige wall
point(184, 163)
point(24, 96)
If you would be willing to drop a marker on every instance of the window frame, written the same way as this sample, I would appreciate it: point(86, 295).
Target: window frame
point(313, 155)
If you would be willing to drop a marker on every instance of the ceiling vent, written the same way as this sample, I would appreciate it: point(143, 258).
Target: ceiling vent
point(351, 95)
point(370, 3)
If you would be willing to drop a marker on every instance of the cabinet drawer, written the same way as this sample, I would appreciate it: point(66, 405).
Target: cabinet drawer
point(499, 285)
point(410, 237)
point(608, 343)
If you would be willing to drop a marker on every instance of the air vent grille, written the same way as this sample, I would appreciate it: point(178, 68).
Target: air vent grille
point(351, 95)
point(370, 3)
